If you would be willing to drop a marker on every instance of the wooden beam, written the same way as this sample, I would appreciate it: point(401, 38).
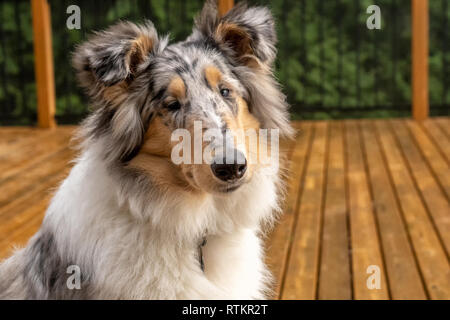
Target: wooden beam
point(420, 30)
point(225, 6)
point(43, 63)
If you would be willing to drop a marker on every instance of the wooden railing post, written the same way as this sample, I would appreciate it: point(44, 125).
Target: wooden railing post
point(225, 6)
point(43, 63)
point(420, 29)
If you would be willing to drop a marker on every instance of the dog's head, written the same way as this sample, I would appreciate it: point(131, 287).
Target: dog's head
point(220, 77)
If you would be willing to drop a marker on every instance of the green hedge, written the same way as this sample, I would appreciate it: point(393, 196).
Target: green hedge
point(329, 63)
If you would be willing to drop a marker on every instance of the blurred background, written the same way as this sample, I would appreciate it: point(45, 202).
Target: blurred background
point(329, 63)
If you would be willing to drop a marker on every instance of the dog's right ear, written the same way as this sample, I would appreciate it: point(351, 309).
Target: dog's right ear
point(108, 62)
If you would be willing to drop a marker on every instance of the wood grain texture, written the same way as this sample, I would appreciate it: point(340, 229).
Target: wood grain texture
point(403, 275)
point(431, 257)
point(434, 158)
point(434, 199)
point(440, 139)
point(32, 151)
point(444, 124)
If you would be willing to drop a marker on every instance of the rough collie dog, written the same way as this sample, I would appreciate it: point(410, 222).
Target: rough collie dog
point(127, 219)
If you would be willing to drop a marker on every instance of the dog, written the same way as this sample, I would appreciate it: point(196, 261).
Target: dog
point(127, 220)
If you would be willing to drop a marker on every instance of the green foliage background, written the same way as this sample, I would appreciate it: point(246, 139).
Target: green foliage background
point(329, 63)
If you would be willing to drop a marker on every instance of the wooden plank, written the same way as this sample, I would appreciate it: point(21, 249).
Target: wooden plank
point(444, 124)
point(419, 53)
point(30, 179)
point(225, 6)
point(9, 226)
point(15, 210)
point(36, 141)
point(17, 129)
point(14, 134)
point(302, 270)
point(280, 238)
point(365, 244)
point(334, 277)
point(435, 200)
point(18, 159)
point(13, 140)
point(43, 63)
point(436, 161)
point(440, 139)
point(20, 236)
point(431, 256)
point(403, 275)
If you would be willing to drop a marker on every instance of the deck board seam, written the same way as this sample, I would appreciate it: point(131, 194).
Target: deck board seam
point(439, 125)
point(322, 205)
point(347, 211)
point(427, 161)
point(434, 142)
point(33, 185)
point(6, 179)
point(22, 196)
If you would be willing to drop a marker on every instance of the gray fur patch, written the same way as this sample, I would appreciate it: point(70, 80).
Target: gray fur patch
point(45, 272)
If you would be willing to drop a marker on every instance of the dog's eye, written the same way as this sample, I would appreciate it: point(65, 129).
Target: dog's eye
point(173, 106)
point(225, 92)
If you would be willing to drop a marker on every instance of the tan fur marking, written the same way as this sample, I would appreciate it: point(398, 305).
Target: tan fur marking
point(177, 88)
point(157, 139)
point(239, 126)
point(154, 158)
point(140, 47)
point(144, 43)
point(116, 94)
point(213, 76)
point(244, 119)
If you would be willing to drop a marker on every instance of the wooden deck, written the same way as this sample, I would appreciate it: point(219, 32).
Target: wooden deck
point(361, 193)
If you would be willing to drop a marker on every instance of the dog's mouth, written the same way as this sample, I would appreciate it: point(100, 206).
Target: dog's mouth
point(229, 188)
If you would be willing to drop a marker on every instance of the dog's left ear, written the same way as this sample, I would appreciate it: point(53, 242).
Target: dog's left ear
point(247, 35)
point(108, 66)
point(109, 61)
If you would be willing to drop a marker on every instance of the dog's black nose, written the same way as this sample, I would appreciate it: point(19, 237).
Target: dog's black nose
point(230, 171)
